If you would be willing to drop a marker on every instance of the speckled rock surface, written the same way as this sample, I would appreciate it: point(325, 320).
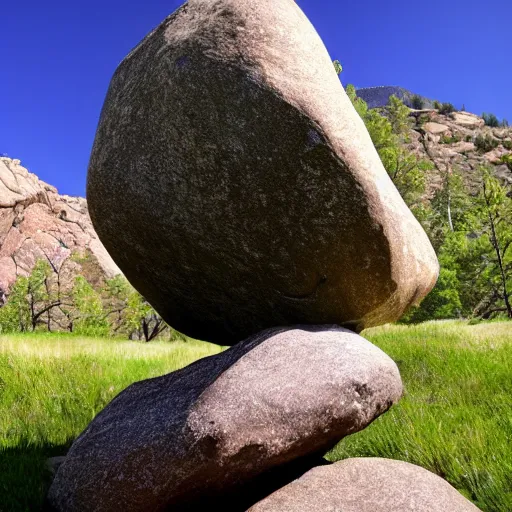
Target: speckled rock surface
point(236, 187)
point(222, 421)
point(367, 485)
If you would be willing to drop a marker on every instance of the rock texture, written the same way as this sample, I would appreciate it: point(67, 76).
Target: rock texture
point(38, 223)
point(236, 187)
point(222, 421)
point(367, 485)
point(456, 145)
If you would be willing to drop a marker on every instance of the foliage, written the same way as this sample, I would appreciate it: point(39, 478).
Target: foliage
point(39, 302)
point(417, 102)
point(507, 144)
point(442, 302)
point(453, 139)
point(490, 120)
point(507, 160)
point(338, 67)
point(446, 108)
point(437, 105)
point(389, 133)
point(485, 143)
point(89, 316)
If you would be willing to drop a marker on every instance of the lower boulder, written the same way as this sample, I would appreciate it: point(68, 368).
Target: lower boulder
point(367, 485)
point(211, 428)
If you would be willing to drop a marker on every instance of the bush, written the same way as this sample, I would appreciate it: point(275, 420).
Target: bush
point(442, 302)
point(486, 143)
point(437, 105)
point(445, 139)
point(447, 108)
point(490, 120)
point(507, 160)
point(507, 144)
point(417, 102)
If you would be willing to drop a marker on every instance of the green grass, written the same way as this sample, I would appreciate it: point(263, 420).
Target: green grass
point(52, 386)
point(455, 418)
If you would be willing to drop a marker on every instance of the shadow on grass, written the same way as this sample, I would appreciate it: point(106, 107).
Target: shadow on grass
point(25, 476)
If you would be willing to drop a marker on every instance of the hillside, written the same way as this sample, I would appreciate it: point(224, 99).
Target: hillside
point(36, 222)
point(376, 97)
point(459, 140)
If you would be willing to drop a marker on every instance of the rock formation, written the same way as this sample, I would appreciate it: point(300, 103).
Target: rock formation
point(235, 185)
point(260, 199)
point(225, 420)
point(454, 141)
point(38, 223)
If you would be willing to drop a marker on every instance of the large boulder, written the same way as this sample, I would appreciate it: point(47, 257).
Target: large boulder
point(236, 187)
point(367, 485)
point(202, 432)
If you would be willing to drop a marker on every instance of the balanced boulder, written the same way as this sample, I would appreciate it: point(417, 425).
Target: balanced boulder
point(204, 431)
point(367, 485)
point(237, 188)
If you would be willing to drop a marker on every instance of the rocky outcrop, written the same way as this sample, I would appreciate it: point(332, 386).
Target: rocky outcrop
point(461, 141)
point(205, 430)
point(367, 485)
point(38, 223)
point(253, 176)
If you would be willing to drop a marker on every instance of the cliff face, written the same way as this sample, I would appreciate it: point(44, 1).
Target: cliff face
point(461, 141)
point(36, 222)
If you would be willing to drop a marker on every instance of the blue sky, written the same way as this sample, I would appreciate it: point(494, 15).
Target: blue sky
point(57, 58)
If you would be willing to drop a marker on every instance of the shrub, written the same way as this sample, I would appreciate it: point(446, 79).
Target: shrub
point(437, 105)
point(445, 139)
point(447, 108)
point(490, 120)
point(486, 143)
point(507, 160)
point(417, 102)
point(507, 144)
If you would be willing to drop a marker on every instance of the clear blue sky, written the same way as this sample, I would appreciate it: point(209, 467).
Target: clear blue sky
point(57, 58)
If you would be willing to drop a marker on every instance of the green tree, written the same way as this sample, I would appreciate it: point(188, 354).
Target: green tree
point(389, 133)
point(143, 321)
point(15, 314)
point(338, 67)
point(89, 317)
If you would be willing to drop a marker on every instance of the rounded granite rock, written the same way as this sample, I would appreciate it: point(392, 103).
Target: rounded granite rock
point(237, 188)
point(367, 485)
point(191, 439)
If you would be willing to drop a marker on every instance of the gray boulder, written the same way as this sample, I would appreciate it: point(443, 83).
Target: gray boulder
point(237, 188)
point(205, 431)
point(367, 485)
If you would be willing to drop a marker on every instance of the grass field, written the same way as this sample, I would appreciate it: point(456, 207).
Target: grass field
point(455, 418)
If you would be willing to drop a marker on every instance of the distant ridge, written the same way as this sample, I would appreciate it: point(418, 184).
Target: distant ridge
point(378, 96)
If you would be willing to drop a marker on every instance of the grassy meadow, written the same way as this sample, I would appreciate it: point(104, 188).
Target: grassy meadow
point(455, 418)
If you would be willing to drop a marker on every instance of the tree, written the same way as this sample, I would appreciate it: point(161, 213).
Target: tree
point(389, 133)
point(338, 67)
point(89, 316)
point(142, 319)
point(417, 102)
point(494, 218)
point(490, 120)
